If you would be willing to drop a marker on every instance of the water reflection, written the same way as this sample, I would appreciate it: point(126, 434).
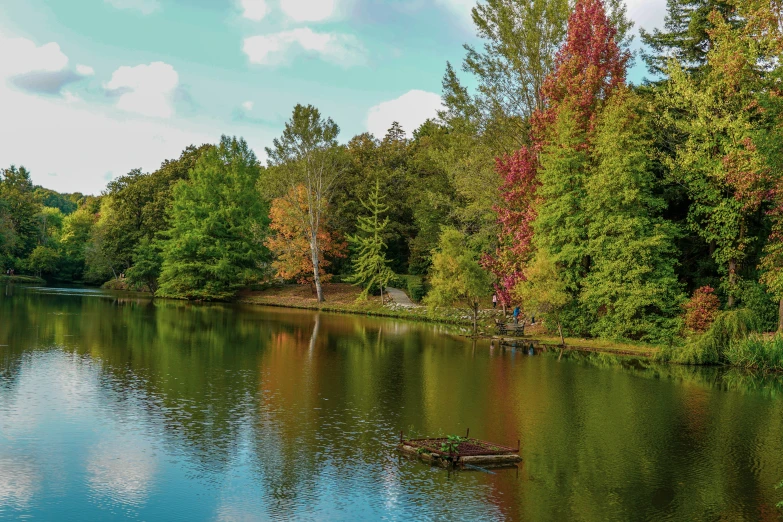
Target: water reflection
point(124, 407)
point(121, 471)
point(19, 480)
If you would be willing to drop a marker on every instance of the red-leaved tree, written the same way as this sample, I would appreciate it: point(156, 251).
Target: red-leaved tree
point(589, 66)
point(515, 216)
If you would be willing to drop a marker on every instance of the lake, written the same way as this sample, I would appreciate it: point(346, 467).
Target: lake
point(117, 407)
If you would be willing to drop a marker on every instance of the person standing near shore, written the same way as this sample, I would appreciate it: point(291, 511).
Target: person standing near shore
point(494, 300)
point(516, 315)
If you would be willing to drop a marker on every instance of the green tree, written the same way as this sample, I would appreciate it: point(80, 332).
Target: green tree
point(147, 261)
point(42, 260)
point(75, 237)
point(520, 41)
point(7, 235)
point(543, 291)
point(136, 206)
point(456, 276)
point(561, 225)
point(215, 244)
point(632, 281)
point(370, 266)
point(717, 161)
point(306, 154)
point(16, 189)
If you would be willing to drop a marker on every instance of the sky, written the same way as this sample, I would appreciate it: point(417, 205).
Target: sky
point(91, 89)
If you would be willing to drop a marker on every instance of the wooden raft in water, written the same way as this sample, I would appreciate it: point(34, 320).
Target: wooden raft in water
point(460, 452)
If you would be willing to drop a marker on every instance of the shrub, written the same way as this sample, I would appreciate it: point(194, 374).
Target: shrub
point(416, 289)
point(757, 353)
point(727, 329)
point(701, 309)
point(764, 306)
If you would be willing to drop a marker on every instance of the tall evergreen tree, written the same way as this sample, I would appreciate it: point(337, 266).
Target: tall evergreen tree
point(632, 282)
point(685, 37)
point(590, 66)
point(215, 244)
point(370, 265)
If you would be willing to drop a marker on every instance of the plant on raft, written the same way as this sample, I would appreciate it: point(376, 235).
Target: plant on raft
point(452, 444)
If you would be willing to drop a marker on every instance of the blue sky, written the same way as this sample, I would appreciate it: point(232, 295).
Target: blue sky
point(90, 89)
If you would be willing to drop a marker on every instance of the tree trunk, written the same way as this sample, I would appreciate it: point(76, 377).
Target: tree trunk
point(560, 331)
point(381, 295)
point(316, 276)
point(780, 317)
point(475, 319)
point(732, 281)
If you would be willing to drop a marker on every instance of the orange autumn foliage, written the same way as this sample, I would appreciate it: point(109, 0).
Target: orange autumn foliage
point(290, 240)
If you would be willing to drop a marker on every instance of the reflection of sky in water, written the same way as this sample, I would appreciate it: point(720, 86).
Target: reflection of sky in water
point(121, 470)
point(99, 449)
point(121, 409)
point(18, 482)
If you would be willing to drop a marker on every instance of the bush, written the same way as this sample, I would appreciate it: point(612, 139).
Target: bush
point(764, 306)
point(416, 289)
point(710, 347)
point(701, 309)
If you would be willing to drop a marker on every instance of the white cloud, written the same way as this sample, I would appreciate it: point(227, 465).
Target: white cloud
point(410, 110)
point(248, 106)
point(85, 70)
point(145, 89)
point(20, 56)
point(308, 10)
point(37, 69)
point(646, 14)
point(276, 48)
point(144, 6)
point(87, 144)
point(254, 10)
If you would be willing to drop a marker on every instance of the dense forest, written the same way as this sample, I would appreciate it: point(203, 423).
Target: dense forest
point(638, 212)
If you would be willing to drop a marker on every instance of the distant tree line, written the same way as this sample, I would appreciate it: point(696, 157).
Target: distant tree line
point(599, 205)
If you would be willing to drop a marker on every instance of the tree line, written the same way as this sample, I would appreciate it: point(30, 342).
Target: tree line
point(611, 209)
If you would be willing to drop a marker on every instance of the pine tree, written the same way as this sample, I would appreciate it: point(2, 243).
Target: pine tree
point(561, 225)
point(370, 266)
point(217, 222)
point(686, 35)
point(632, 282)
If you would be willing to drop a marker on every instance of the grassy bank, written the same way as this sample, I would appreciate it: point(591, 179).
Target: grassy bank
point(24, 280)
point(598, 345)
point(733, 339)
point(343, 298)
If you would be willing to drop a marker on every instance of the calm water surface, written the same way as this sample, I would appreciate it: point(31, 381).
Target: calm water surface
point(116, 407)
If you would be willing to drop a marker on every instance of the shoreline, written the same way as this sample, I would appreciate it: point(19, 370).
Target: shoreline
point(22, 279)
point(421, 314)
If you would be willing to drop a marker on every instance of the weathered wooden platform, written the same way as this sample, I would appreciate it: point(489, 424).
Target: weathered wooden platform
point(458, 452)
